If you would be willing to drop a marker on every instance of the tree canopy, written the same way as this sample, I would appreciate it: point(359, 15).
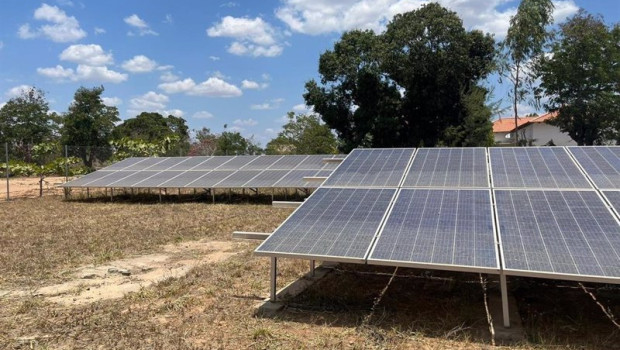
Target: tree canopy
point(152, 127)
point(581, 78)
point(25, 121)
point(303, 134)
point(414, 85)
point(89, 124)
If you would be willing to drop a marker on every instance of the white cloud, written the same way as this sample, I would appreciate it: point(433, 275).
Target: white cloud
point(253, 37)
point(273, 104)
point(253, 85)
point(214, 58)
point(325, 16)
point(302, 108)
point(2, 104)
point(245, 122)
point(83, 73)
point(58, 73)
point(140, 25)
point(99, 31)
point(92, 55)
point(99, 74)
point(168, 19)
point(168, 77)
point(175, 112)
point(17, 91)
point(59, 28)
point(152, 102)
point(139, 64)
point(202, 115)
point(111, 101)
point(212, 87)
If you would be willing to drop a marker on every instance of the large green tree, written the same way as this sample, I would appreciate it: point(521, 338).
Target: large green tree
point(303, 134)
point(414, 85)
point(522, 47)
point(233, 143)
point(153, 127)
point(88, 125)
point(581, 79)
point(25, 121)
point(355, 98)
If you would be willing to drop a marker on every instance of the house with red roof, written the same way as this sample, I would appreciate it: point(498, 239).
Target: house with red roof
point(535, 130)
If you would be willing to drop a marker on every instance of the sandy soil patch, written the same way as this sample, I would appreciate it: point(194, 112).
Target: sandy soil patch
point(91, 283)
point(28, 187)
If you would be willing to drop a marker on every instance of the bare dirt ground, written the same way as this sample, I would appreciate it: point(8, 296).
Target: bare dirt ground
point(126, 275)
point(115, 279)
point(29, 187)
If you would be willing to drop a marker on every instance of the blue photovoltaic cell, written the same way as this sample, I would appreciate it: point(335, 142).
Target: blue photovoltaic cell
point(190, 163)
point(287, 162)
point(108, 180)
point(535, 167)
point(134, 178)
point(212, 163)
point(237, 163)
point(601, 163)
point(144, 164)
point(614, 199)
point(371, 168)
point(448, 227)
point(237, 179)
point(167, 164)
point(312, 162)
point(558, 233)
point(339, 223)
point(267, 178)
point(261, 163)
point(209, 179)
point(448, 167)
point(295, 178)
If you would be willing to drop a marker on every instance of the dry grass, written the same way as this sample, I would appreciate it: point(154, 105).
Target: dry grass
point(212, 307)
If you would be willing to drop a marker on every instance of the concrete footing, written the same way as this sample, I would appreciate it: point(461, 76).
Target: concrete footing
point(514, 334)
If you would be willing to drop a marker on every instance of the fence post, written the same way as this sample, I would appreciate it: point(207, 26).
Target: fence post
point(6, 152)
point(66, 190)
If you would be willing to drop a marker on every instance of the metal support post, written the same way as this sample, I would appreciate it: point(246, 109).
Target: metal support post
point(87, 192)
point(111, 194)
point(160, 195)
point(312, 266)
point(504, 290)
point(274, 273)
point(6, 150)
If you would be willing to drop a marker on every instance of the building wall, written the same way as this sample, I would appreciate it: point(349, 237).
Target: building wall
point(542, 133)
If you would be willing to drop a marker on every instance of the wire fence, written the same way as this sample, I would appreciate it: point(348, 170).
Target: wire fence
point(37, 170)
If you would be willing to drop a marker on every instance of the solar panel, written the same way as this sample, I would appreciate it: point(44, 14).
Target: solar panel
point(109, 179)
point(133, 179)
point(601, 163)
point(213, 163)
point(261, 163)
point(156, 180)
point(144, 164)
point(448, 167)
point(266, 178)
point(287, 162)
point(209, 179)
point(168, 163)
point(561, 234)
point(183, 178)
point(337, 224)
point(614, 199)
point(295, 178)
point(312, 162)
point(371, 168)
point(447, 228)
point(124, 163)
point(236, 163)
point(189, 163)
point(237, 179)
point(88, 178)
point(535, 167)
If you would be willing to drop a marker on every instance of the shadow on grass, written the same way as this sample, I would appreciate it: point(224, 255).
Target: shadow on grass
point(233, 196)
point(450, 305)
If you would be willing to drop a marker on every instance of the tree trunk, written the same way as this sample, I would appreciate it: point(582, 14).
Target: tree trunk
point(514, 103)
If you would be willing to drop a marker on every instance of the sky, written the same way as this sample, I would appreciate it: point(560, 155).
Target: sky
point(237, 63)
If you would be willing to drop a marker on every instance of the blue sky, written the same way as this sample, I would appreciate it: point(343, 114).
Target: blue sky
point(240, 63)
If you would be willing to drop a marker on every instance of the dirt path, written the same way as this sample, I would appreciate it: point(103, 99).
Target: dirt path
point(28, 187)
point(93, 283)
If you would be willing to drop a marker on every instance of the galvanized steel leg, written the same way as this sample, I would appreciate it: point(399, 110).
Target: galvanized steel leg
point(504, 290)
point(312, 265)
point(274, 273)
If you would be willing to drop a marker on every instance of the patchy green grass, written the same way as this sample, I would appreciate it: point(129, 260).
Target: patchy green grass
point(213, 305)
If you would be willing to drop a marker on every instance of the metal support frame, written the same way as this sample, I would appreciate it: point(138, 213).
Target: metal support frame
point(160, 195)
point(312, 267)
point(504, 291)
point(274, 274)
point(111, 194)
point(87, 192)
point(6, 152)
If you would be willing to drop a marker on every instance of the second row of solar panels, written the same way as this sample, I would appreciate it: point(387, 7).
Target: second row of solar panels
point(520, 167)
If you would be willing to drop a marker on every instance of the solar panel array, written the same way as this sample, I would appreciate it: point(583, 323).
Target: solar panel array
point(211, 172)
point(541, 212)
